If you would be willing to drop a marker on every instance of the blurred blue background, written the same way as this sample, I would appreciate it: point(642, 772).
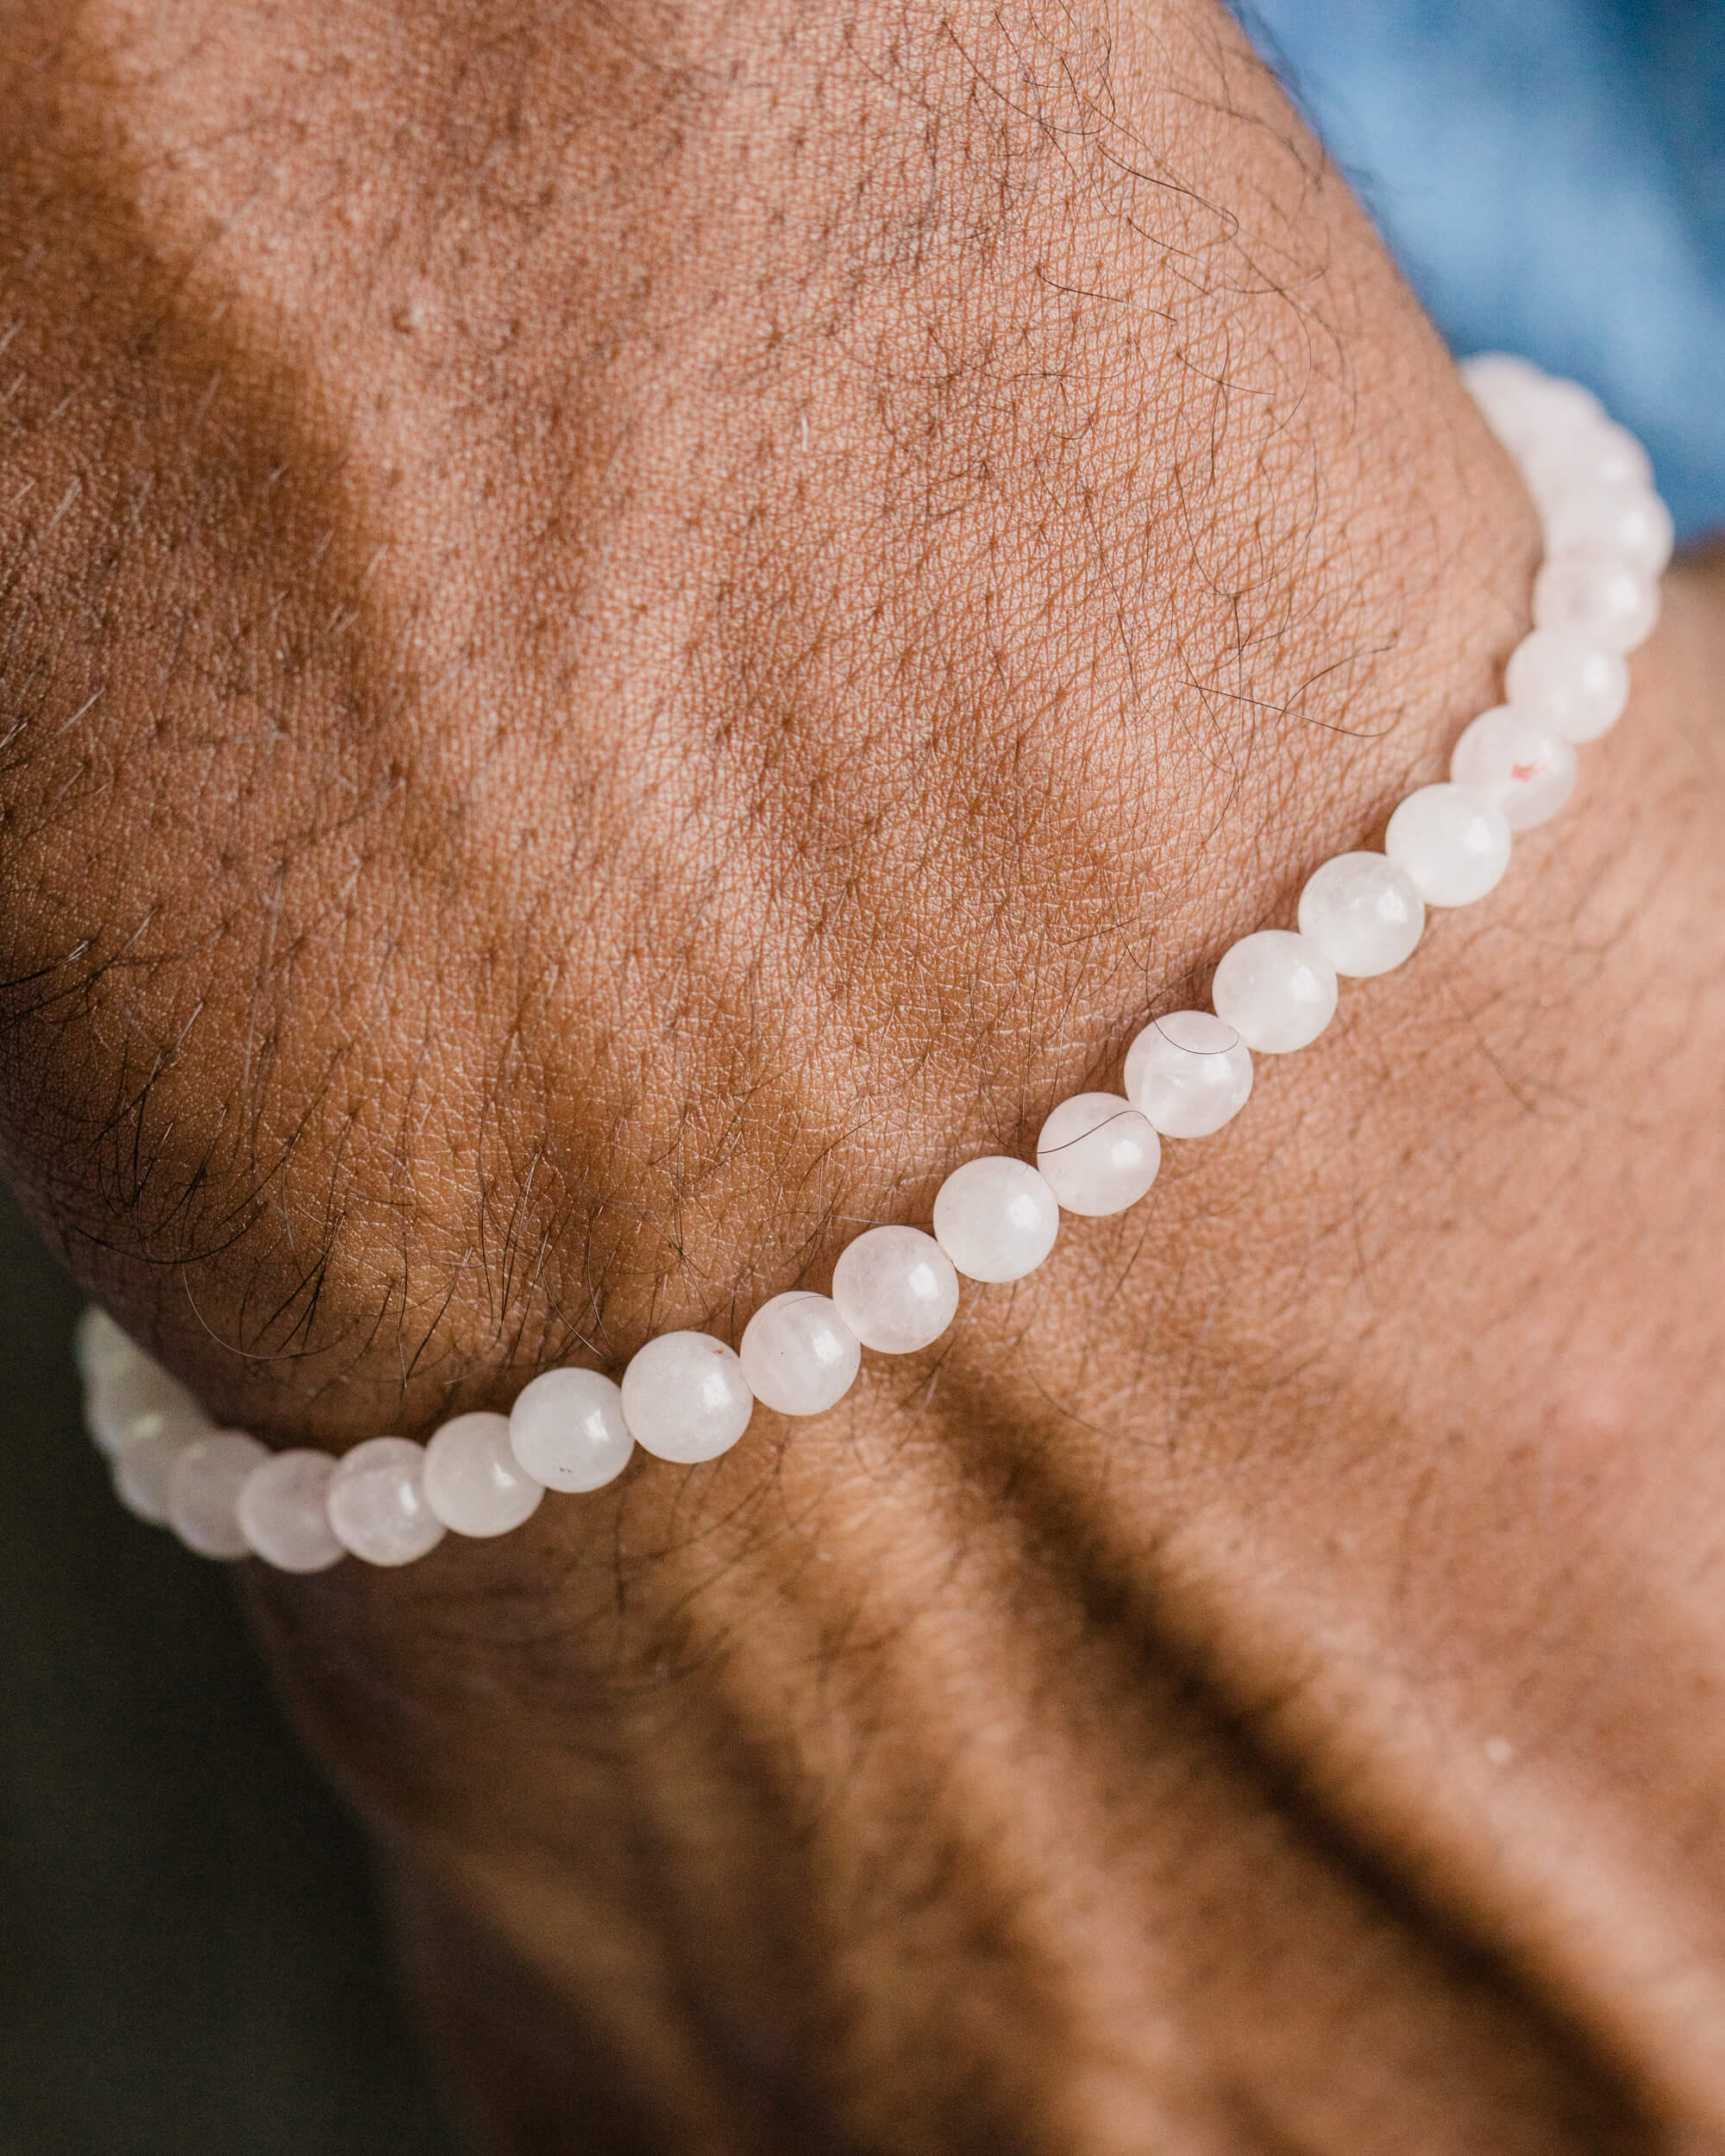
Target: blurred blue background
point(1551, 174)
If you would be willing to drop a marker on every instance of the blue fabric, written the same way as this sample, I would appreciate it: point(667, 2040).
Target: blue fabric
point(1551, 174)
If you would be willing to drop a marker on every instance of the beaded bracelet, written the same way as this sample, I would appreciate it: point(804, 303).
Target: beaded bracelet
point(687, 1397)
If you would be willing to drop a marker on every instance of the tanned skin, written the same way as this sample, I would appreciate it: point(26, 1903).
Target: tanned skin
point(624, 633)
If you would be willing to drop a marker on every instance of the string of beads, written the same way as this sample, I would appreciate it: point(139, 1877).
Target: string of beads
point(687, 1397)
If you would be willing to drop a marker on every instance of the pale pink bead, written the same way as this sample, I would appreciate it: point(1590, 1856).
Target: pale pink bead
point(995, 1219)
point(1519, 761)
point(377, 1502)
point(685, 1398)
point(1276, 989)
point(203, 1492)
point(136, 1398)
point(474, 1483)
point(141, 1470)
point(1597, 595)
point(1628, 521)
point(99, 1348)
point(1452, 842)
point(1188, 1074)
point(1098, 1154)
point(799, 1356)
point(1580, 686)
point(285, 1515)
point(1602, 455)
point(566, 1429)
point(896, 1289)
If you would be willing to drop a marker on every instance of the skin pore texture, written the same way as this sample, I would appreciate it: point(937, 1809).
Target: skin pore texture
point(625, 634)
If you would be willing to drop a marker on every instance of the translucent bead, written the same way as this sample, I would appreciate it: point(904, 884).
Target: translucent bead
point(141, 1470)
point(1507, 390)
point(1519, 760)
point(138, 1399)
point(1629, 521)
point(474, 1483)
point(1597, 595)
point(685, 1398)
point(203, 1492)
point(99, 1348)
point(568, 1431)
point(1278, 991)
point(284, 1512)
point(377, 1502)
point(1580, 686)
point(896, 1289)
point(798, 1354)
point(1098, 1154)
point(1453, 845)
point(1602, 454)
point(1362, 913)
point(1188, 1074)
point(995, 1219)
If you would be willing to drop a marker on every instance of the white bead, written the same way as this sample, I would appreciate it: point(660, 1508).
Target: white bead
point(896, 1289)
point(1519, 760)
point(799, 1356)
point(141, 1470)
point(1580, 686)
point(995, 1219)
point(1604, 455)
point(284, 1512)
point(138, 1399)
point(1278, 991)
point(1506, 388)
point(685, 1398)
point(1453, 845)
point(567, 1432)
point(1098, 1154)
point(99, 1348)
point(1188, 1074)
point(1597, 595)
point(203, 1492)
point(1362, 913)
point(377, 1502)
point(1629, 521)
point(474, 1483)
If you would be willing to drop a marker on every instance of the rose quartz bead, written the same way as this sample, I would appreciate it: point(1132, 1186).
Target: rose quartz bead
point(138, 1399)
point(1629, 521)
point(141, 1470)
point(1595, 594)
point(1276, 989)
point(1362, 913)
point(1580, 686)
point(685, 1398)
point(995, 1219)
point(99, 1348)
point(896, 1289)
point(1188, 1074)
point(568, 1431)
point(203, 1492)
point(474, 1483)
point(1519, 760)
point(1098, 1154)
point(377, 1502)
point(799, 1356)
point(1452, 844)
point(284, 1512)
point(1602, 454)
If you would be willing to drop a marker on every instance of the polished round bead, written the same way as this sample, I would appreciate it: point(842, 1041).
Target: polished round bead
point(474, 1483)
point(1452, 845)
point(99, 1348)
point(995, 1219)
point(142, 1468)
point(1595, 594)
point(1362, 913)
point(137, 1399)
point(1098, 1154)
point(1628, 521)
point(1600, 455)
point(1580, 686)
point(1188, 1074)
point(896, 1289)
point(284, 1512)
point(1519, 760)
point(1277, 990)
point(685, 1398)
point(377, 1502)
point(798, 1355)
point(568, 1431)
point(203, 1492)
